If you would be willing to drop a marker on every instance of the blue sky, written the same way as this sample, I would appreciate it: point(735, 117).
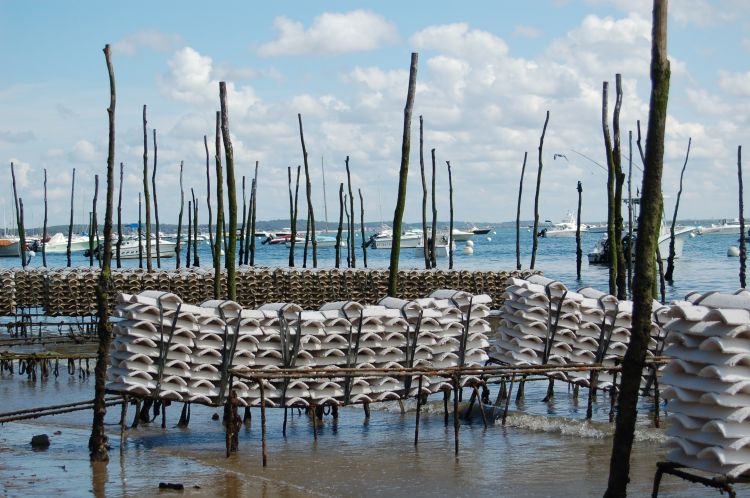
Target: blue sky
point(488, 71)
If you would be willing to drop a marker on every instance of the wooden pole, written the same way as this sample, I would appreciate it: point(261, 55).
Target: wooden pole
point(362, 227)
point(196, 258)
point(348, 224)
point(146, 196)
point(156, 204)
point(648, 222)
point(263, 423)
point(208, 199)
point(308, 187)
point(94, 223)
point(307, 240)
point(70, 226)
point(219, 210)
point(611, 227)
point(189, 234)
point(119, 219)
point(231, 195)
point(19, 220)
point(179, 221)
point(743, 234)
point(629, 253)
point(340, 226)
point(620, 278)
point(292, 214)
point(450, 227)
point(44, 229)
point(518, 214)
point(253, 205)
point(242, 224)
point(22, 229)
point(350, 235)
point(245, 244)
point(398, 214)
point(98, 440)
point(140, 232)
point(535, 241)
point(669, 274)
point(579, 252)
point(433, 232)
point(424, 195)
point(419, 406)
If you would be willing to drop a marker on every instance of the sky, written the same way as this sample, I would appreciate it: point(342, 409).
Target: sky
point(488, 71)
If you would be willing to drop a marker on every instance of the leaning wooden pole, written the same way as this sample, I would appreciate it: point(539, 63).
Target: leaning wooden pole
point(398, 214)
point(579, 252)
point(231, 195)
point(450, 224)
point(340, 227)
point(362, 227)
point(308, 187)
point(648, 223)
point(669, 274)
point(350, 236)
point(219, 209)
point(119, 218)
point(146, 195)
point(98, 439)
point(21, 229)
point(19, 220)
point(743, 234)
point(208, 198)
point(70, 225)
point(44, 229)
point(518, 214)
point(179, 221)
point(245, 244)
point(534, 240)
point(425, 245)
point(611, 227)
point(156, 204)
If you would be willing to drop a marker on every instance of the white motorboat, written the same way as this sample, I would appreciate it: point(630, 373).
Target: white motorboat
point(322, 241)
point(58, 243)
point(441, 250)
point(384, 239)
point(599, 255)
point(462, 235)
point(724, 227)
point(480, 230)
point(129, 249)
point(10, 247)
point(566, 228)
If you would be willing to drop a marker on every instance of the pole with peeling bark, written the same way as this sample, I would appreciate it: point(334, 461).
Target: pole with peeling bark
point(518, 214)
point(398, 214)
point(44, 229)
point(156, 205)
point(669, 274)
point(362, 227)
point(433, 230)
point(535, 241)
point(424, 195)
point(208, 198)
point(231, 195)
point(351, 233)
point(743, 249)
point(119, 219)
point(450, 226)
point(219, 209)
point(70, 225)
point(19, 220)
point(648, 223)
point(620, 278)
point(579, 252)
point(146, 196)
point(98, 438)
point(179, 221)
point(611, 227)
point(340, 226)
point(308, 187)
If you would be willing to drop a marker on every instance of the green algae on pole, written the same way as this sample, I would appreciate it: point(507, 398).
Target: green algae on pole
point(98, 439)
point(231, 195)
point(398, 214)
point(620, 278)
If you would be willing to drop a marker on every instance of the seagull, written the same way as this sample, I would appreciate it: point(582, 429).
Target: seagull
point(554, 157)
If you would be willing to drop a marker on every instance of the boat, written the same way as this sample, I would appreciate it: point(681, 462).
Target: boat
point(724, 227)
point(566, 228)
point(480, 230)
point(441, 249)
point(129, 249)
point(58, 243)
point(384, 239)
point(461, 235)
point(322, 241)
point(10, 247)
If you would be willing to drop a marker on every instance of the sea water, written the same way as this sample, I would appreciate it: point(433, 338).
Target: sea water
point(545, 448)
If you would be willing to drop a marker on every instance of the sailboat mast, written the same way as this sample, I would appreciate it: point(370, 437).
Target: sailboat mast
point(325, 203)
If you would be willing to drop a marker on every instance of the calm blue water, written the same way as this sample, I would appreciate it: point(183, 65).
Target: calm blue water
point(703, 267)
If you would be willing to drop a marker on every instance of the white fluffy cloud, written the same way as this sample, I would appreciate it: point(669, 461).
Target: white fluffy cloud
point(148, 40)
point(331, 33)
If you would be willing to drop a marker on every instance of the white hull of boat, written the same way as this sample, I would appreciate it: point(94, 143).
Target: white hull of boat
point(680, 235)
point(565, 233)
point(441, 251)
point(407, 242)
point(322, 243)
point(129, 250)
point(461, 236)
point(720, 230)
point(57, 245)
